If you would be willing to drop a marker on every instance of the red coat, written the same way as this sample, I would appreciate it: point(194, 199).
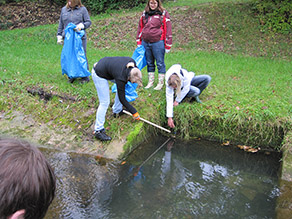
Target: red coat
point(155, 28)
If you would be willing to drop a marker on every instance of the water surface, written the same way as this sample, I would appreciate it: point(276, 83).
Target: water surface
point(183, 179)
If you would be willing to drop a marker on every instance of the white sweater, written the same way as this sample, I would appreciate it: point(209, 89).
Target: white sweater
point(185, 77)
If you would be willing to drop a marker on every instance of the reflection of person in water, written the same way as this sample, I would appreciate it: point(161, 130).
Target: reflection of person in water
point(166, 161)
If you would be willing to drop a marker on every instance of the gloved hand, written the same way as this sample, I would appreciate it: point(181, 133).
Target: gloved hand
point(79, 27)
point(60, 40)
point(136, 116)
point(167, 50)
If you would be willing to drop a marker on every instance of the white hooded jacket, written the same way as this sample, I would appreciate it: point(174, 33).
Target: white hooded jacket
point(185, 77)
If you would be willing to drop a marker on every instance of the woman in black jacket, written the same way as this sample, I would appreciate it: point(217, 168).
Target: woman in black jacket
point(119, 70)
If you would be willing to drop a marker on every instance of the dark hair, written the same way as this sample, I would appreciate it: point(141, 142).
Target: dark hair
point(27, 180)
point(159, 6)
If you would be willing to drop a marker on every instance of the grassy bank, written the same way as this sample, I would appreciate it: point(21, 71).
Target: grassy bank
point(248, 101)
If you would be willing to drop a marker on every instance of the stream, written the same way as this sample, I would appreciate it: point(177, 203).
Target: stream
point(166, 178)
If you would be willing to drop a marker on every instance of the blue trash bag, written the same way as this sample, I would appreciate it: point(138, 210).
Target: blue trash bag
point(130, 88)
point(139, 57)
point(130, 91)
point(73, 59)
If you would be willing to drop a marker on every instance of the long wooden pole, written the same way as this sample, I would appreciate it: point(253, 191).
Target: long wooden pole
point(151, 123)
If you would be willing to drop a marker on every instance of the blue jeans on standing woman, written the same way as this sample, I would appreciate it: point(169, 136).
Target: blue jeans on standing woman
point(155, 51)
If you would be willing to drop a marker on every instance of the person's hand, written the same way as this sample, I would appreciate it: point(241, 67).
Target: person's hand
point(60, 40)
point(136, 116)
point(175, 103)
point(79, 27)
point(170, 122)
point(167, 50)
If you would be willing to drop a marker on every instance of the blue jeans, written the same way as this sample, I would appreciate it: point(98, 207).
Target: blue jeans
point(102, 88)
point(155, 51)
point(198, 84)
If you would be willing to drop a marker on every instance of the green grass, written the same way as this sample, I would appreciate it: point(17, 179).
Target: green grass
point(248, 100)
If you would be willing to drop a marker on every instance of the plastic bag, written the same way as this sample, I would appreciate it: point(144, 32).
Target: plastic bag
point(130, 88)
point(130, 91)
point(139, 57)
point(73, 59)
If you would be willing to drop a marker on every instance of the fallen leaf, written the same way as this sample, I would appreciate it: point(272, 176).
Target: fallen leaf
point(226, 143)
point(252, 150)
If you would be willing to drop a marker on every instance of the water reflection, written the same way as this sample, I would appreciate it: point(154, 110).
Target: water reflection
point(84, 188)
point(198, 179)
point(193, 179)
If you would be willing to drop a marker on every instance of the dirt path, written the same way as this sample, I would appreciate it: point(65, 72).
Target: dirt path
point(19, 125)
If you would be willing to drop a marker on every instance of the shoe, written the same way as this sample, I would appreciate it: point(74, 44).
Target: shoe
point(151, 76)
point(196, 98)
point(84, 80)
point(116, 115)
point(71, 80)
point(101, 135)
point(160, 82)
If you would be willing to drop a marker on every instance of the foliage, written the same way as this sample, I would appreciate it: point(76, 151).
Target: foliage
point(238, 32)
point(275, 15)
point(99, 6)
point(95, 6)
point(57, 2)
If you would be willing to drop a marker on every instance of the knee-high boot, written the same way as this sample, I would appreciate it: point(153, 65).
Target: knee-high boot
point(160, 82)
point(150, 80)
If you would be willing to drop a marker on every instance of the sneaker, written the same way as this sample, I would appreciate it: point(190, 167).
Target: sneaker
point(84, 80)
point(116, 115)
point(101, 135)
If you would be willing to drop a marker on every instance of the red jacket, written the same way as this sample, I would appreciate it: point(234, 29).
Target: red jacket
point(155, 28)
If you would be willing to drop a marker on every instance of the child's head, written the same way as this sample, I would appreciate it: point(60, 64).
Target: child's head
point(27, 185)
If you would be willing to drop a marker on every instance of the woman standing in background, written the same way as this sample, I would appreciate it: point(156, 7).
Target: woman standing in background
point(154, 33)
point(74, 12)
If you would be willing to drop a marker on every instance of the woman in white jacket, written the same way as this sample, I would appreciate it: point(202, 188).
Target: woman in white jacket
point(186, 85)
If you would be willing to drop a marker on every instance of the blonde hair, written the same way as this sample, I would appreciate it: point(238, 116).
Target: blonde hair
point(74, 3)
point(136, 76)
point(174, 80)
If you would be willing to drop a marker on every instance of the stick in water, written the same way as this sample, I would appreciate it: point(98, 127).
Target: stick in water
point(151, 155)
point(151, 123)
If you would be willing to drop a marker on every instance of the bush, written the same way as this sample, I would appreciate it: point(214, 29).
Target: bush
point(99, 6)
point(57, 2)
point(275, 15)
point(95, 6)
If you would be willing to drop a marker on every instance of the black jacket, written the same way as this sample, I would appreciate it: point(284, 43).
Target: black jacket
point(115, 68)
